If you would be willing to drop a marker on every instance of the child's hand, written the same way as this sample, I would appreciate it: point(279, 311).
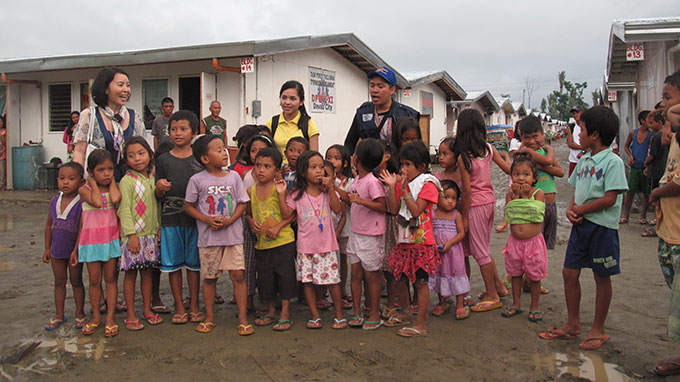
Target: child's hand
point(285, 168)
point(273, 232)
point(466, 224)
point(133, 243)
point(525, 188)
point(255, 226)
point(654, 197)
point(163, 185)
point(328, 182)
point(281, 186)
point(214, 222)
point(73, 260)
point(388, 178)
point(446, 246)
point(573, 216)
point(673, 115)
point(515, 188)
point(46, 256)
point(353, 197)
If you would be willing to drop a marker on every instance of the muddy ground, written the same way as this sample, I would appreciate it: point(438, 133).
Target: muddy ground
point(485, 347)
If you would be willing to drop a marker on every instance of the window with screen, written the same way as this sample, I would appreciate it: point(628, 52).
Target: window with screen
point(60, 106)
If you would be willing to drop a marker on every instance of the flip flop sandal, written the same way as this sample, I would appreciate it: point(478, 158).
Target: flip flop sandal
point(232, 300)
point(411, 332)
point(80, 322)
point(323, 305)
point(160, 309)
point(205, 327)
point(501, 228)
point(395, 321)
point(469, 301)
point(89, 329)
point(265, 320)
point(346, 304)
point(623, 220)
point(675, 369)
point(545, 290)
point(134, 325)
point(339, 324)
point(650, 232)
point(463, 313)
point(179, 319)
point(121, 306)
point(356, 321)
point(111, 331)
point(186, 302)
point(315, 324)
point(643, 221)
point(54, 324)
point(510, 311)
point(486, 306)
point(553, 334)
point(535, 316)
point(245, 330)
point(372, 325)
point(154, 319)
point(598, 341)
point(196, 317)
point(282, 325)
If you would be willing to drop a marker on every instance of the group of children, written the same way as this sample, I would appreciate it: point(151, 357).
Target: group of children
point(288, 224)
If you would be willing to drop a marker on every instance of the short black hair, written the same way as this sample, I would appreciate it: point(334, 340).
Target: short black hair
point(200, 146)
point(167, 99)
point(369, 153)
point(657, 116)
point(101, 83)
point(416, 152)
point(673, 80)
point(603, 120)
point(449, 184)
point(529, 125)
point(402, 126)
point(642, 116)
point(75, 166)
point(298, 139)
point(271, 152)
point(98, 156)
point(188, 116)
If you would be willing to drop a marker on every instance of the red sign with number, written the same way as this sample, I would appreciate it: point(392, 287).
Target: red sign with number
point(247, 65)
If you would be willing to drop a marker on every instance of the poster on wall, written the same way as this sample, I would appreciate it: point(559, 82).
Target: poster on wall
point(427, 104)
point(321, 91)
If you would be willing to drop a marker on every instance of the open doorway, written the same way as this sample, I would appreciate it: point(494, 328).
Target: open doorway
point(190, 94)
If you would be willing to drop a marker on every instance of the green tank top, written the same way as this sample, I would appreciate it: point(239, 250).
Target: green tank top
point(545, 182)
point(215, 127)
point(525, 211)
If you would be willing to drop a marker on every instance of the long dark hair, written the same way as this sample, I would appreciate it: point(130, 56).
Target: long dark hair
point(301, 167)
point(292, 84)
point(470, 137)
point(69, 126)
point(142, 142)
point(402, 126)
point(259, 137)
point(346, 159)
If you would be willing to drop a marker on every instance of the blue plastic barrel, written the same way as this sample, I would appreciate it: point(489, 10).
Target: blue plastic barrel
point(26, 162)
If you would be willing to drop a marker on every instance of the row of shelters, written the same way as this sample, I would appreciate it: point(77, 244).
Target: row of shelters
point(40, 93)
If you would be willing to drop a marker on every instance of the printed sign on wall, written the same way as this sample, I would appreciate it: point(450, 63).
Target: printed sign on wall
point(426, 104)
point(321, 91)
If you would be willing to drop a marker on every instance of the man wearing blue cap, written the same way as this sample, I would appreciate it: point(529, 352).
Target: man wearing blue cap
point(375, 119)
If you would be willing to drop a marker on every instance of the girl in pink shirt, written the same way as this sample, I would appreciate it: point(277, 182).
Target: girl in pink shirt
point(474, 156)
point(312, 200)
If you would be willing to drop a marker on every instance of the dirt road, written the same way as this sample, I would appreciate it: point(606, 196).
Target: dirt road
point(485, 347)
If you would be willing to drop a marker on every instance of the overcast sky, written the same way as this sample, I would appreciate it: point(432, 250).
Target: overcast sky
point(490, 45)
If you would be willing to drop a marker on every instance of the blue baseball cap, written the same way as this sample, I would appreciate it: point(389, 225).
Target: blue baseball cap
point(386, 73)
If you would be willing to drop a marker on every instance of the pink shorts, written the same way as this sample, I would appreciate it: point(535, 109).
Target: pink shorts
point(479, 234)
point(528, 257)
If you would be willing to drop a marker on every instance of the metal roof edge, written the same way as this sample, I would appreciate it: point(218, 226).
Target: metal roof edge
point(444, 76)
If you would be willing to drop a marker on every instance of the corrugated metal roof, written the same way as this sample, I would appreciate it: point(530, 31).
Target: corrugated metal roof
point(440, 78)
point(483, 96)
point(346, 44)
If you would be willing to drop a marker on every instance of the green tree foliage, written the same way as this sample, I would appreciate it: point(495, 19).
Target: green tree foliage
point(597, 97)
point(569, 95)
point(544, 106)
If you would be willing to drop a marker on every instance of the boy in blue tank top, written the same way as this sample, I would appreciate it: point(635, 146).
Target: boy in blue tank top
point(637, 148)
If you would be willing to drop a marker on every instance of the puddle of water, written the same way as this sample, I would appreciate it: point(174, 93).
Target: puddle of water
point(6, 265)
point(584, 365)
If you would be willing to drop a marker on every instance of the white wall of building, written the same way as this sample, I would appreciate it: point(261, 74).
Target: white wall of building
point(438, 119)
point(351, 89)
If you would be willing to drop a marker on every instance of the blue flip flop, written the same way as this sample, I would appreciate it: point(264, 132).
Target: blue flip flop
point(52, 321)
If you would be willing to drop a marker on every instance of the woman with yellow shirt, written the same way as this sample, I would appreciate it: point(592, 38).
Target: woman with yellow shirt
point(293, 120)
